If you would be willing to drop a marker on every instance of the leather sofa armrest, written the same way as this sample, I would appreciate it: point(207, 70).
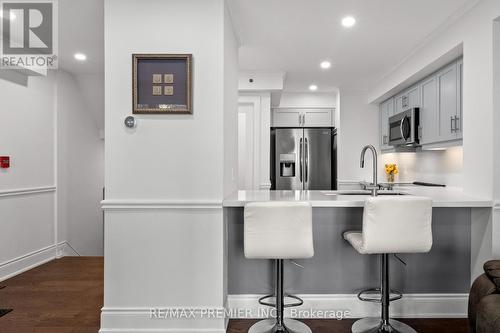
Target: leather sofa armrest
point(492, 270)
point(488, 314)
point(481, 287)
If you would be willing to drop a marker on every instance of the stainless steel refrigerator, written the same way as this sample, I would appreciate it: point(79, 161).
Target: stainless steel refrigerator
point(303, 159)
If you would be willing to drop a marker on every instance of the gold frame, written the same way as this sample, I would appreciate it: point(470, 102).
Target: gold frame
point(189, 84)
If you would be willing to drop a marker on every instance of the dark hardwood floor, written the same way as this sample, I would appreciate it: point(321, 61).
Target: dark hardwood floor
point(62, 296)
point(65, 296)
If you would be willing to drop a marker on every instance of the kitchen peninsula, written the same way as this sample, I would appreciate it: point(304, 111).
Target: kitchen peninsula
point(338, 269)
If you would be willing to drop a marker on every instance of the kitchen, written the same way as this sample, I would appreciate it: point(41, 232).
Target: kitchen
point(426, 107)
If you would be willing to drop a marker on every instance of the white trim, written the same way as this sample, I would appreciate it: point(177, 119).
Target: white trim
point(25, 191)
point(33, 259)
point(160, 330)
point(265, 186)
point(137, 319)
point(410, 306)
point(135, 204)
point(496, 206)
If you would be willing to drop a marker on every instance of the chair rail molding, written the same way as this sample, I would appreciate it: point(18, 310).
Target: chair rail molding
point(28, 190)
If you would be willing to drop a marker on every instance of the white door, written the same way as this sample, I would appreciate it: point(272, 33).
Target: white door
point(245, 146)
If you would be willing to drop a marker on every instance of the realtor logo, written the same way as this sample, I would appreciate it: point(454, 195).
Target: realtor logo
point(29, 34)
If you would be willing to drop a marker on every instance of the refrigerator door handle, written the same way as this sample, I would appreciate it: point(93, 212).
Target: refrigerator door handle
point(300, 159)
point(306, 166)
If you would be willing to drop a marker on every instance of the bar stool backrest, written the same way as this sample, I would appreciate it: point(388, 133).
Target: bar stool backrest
point(397, 225)
point(278, 230)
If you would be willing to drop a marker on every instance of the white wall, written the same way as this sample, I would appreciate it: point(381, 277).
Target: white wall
point(359, 126)
point(56, 156)
point(27, 129)
point(308, 100)
point(441, 167)
point(165, 179)
point(80, 169)
point(231, 77)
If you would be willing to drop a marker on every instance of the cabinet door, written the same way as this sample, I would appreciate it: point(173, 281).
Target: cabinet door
point(317, 118)
point(398, 103)
point(429, 111)
point(287, 118)
point(414, 97)
point(386, 111)
point(448, 97)
point(459, 122)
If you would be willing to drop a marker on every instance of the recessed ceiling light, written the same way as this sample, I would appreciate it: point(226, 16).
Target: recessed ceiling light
point(313, 87)
point(348, 21)
point(80, 56)
point(325, 64)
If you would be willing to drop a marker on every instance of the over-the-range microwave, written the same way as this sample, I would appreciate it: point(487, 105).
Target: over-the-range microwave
point(404, 128)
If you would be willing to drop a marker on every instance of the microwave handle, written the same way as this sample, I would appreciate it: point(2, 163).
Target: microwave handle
point(401, 128)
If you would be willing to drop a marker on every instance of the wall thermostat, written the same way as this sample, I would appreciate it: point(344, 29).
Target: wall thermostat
point(130, 122)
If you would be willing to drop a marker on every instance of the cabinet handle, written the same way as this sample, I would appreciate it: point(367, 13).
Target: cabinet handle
point(303, 120)
point(457, 124)
point(384, 140)
point(300, 119)
point(452, 120)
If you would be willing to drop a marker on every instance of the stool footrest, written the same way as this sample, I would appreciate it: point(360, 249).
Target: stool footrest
point(289, 305)
point(361, 297)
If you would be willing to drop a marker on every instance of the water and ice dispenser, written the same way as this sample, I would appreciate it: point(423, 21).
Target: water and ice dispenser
point(287, 165)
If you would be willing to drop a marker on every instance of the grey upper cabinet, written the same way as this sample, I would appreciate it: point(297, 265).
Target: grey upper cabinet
point(458, 123)
point(386, 111)
point(439, 98)
point(429, 111)
point(410, 98)
point(448, 94)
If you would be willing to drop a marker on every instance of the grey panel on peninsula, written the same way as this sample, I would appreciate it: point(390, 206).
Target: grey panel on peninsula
point(338, 269)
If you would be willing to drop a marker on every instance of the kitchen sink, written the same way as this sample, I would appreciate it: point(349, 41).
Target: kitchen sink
point(362, 192)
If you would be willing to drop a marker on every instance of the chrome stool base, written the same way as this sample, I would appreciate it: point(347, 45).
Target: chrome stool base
point(374, 325)
point(269, 326)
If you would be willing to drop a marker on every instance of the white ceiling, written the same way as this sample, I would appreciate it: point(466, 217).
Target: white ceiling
point(294, 36)
point(81, 29)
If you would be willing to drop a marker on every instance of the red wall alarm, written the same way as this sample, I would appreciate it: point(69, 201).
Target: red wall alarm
point(4, 162)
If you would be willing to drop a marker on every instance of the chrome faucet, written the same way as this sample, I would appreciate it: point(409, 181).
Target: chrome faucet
point(374, 187)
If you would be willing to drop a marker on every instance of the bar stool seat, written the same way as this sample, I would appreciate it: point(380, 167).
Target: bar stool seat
point(390, 225)
point(278, 230)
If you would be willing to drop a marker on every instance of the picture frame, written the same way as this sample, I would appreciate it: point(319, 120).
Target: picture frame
point(162, 83)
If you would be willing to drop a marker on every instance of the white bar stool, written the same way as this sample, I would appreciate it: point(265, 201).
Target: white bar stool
point(391, 225)
point(278, 230)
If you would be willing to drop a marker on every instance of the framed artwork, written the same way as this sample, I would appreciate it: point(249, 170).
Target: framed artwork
point(162, 83)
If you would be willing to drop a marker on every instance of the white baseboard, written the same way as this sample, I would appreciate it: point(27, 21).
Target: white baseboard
point(410, 306)
point(36, 258)
point(138, 320)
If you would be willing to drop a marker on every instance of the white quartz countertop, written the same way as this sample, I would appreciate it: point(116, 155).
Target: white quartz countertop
point(442, 197)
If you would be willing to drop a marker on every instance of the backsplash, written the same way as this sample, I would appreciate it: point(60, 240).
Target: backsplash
point(442, 167)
